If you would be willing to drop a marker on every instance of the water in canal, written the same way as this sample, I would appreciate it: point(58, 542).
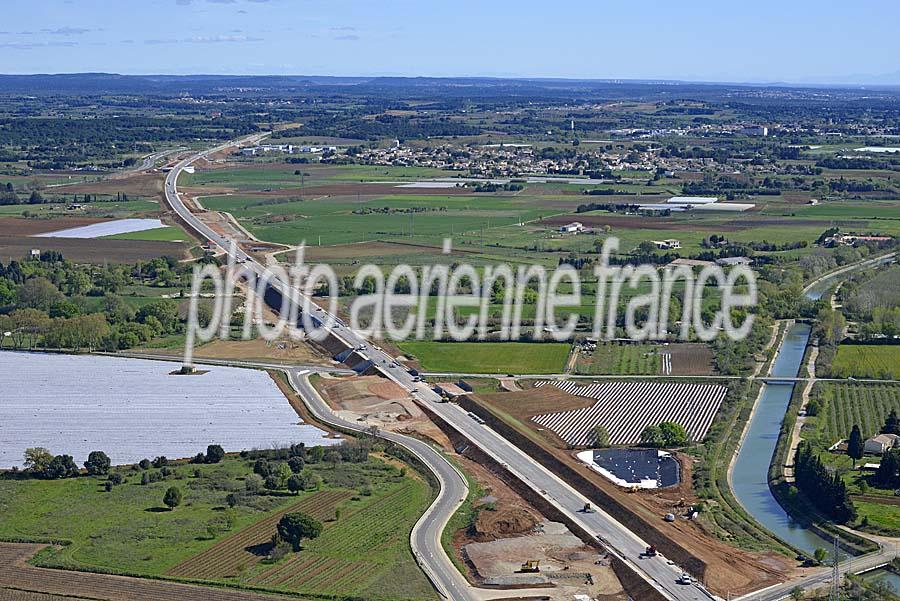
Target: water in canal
point(750, 475)
point(892, 578)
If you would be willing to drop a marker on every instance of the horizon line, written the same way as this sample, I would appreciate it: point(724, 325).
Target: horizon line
point(531, 78)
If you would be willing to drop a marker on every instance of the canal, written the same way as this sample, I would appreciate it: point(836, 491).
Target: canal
point(751, 468)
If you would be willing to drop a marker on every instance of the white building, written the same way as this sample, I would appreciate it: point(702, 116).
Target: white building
point(757, 130)
point(669, 244)
point(692, 200)
point(732, 261)
point(572, 228)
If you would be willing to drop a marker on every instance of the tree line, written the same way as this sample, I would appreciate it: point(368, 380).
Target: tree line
point(824, 488)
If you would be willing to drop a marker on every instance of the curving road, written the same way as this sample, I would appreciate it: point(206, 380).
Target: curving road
point(425, 538)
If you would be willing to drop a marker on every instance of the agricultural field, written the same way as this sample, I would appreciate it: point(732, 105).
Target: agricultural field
point(620, 359)
point(488, 357)
point(330, 220)
point(17, 238)
point(164, 234)
point(626, 408)
point(368, 510)
point(644, 359)
point(866, 361)
point(101, 397)
point(846, 404)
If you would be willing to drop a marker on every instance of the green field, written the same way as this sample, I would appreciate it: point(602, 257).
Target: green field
point(160, 234)
point(343, 220)
point(119, 209)
point(620, 359)
point(880, 515)
point(844, 405)
point(489, 357)
point(129, 530)
point(866, 361)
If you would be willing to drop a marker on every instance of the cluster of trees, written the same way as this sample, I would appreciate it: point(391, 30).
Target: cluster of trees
point(349, 124)
point(286, 469)
point(214, 454)
point(855, 163)
point(59, 142)
point(665, 434)
point(41, 463)
point(603, 192)
point(736, 357)
point(397, 210)
point(490, 187)
point(888, 473)
point(873, 300)
point(48, 302)
point(610, 207)
point(823, 487)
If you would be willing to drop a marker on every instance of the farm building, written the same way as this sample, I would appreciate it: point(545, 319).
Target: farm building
point(725, 206)
point(852, 239)
point(733, 261)
point(681, 261)
point(572, 228)
point(626, 408)
point(668, 244)
point(877, 445)
point(692, 200)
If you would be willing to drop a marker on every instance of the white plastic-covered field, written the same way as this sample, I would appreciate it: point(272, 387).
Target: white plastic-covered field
point(106, 228)
point(132, 409)
point(626, 408)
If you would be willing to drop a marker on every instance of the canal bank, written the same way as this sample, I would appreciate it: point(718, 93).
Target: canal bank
point(750, 468)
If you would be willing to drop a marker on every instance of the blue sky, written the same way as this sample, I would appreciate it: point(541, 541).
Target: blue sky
point(801, 41)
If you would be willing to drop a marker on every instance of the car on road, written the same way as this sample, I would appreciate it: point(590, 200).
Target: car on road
point(685, 579)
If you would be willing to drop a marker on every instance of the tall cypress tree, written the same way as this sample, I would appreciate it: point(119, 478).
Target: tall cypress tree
point(855, 445)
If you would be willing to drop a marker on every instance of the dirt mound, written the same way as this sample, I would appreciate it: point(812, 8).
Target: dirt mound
point(505, 523)
point(387, 390)
point(535, 401)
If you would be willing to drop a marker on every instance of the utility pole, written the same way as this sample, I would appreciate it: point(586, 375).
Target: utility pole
point(836, 574)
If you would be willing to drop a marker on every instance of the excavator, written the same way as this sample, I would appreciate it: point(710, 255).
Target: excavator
point(531, 566)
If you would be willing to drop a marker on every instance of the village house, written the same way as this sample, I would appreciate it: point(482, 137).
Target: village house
point(877, 445)
point(668, 244)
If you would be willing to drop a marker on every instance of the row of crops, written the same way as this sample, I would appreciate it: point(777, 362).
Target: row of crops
point(846, 404)
point(626, 408)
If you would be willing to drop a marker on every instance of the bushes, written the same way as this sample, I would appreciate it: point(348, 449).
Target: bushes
point(293, 528)
point(172, 498)
point(214, 453)
point(97, 463)
point(666, 434)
